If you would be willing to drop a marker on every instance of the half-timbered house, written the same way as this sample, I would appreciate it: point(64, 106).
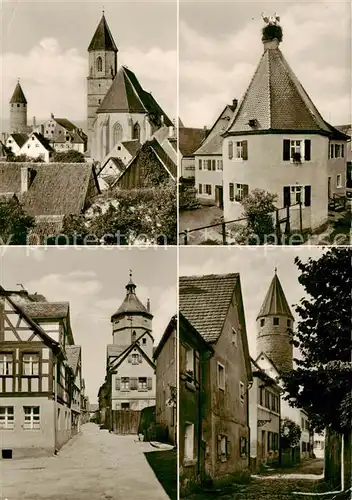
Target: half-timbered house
point(36, 380)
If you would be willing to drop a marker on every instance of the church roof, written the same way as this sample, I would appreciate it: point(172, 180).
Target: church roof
point(276, 100)
point(275, 303)
point(102, 39)
point(189, 139)
point(131, 303)
point(18, 96)
point(126, 95)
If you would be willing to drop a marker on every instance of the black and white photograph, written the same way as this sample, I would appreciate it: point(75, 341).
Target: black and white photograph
point(88, 374)
point(88, 109)
point(265, 134)
point(265, 373)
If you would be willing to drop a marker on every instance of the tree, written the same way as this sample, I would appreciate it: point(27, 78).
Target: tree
point(70, 156)
point(258, 208)
point(15, 224)
point(290, 433)
point(321, 383)
point(25, 159)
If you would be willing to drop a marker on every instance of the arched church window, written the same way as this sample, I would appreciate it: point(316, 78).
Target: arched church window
point(136, 131)
point(117, 133)
point(99, 64)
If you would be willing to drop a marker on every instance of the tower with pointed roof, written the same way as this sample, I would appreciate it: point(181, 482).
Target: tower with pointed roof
point(274, 327)
point(18, 111)
point(102, 59)
point(278, 141)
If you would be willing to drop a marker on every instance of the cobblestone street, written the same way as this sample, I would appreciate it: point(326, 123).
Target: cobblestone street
point(94, 465)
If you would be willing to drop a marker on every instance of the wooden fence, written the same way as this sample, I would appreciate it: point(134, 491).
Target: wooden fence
point(125, 421)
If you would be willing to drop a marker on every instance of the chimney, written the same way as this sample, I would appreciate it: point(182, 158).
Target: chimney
point(234, 104)
point(51, 115)
point(205, 128)
point(34, 123)
point(24, 178)
point(148, 305)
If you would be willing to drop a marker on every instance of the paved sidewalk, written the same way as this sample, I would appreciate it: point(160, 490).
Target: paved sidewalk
point(94, 465)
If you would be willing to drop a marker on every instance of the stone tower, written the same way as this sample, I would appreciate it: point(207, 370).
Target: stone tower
point(131, 320)
point(18, 111)
point(102, 69)
point(274, 327)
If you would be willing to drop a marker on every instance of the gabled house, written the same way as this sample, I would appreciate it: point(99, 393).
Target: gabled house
point(264, 418)
point(73, 353)
point(63, 134)
point(48, 192)
point(36, 146)
point(165, 359)
point(35, 375)
point(278, 141)
point(208, 160)
point(14, 142)
point(189, 140)
point(212, 304)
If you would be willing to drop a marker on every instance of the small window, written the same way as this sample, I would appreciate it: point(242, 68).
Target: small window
point(135, 359)
point(262, 322)
point(144, 341)
point(200, 188)
point(208, 189)
point(7, 417)
point(31, 417)
point(6, 364)
point(234, 337)
point(125, 406)
point(339, 181)
point(125, 384)
point(99, 101)
point(222, 448)
point(142, 383)
point(99, 64)
point(221, 376)
point(190, 362)
point(243, 447)
point(30, 365)
point(276, 321)
point(18, 105)
point(242, 392)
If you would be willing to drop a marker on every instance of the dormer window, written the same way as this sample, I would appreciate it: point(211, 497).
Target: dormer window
point(252, 122)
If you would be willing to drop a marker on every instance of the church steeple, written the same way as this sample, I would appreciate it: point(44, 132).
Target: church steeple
point(18, 111)
point(131, 287)
point(274, 327)
point(102, 39)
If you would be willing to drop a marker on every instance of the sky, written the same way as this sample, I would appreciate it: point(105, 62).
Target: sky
point(220, 48)
point(44, 43)
point(256, 266)
point(93, 282)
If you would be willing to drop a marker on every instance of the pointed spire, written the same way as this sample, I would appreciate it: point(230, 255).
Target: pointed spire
point(18, 96)
point(102, 39)
point(131, 287)
point(275, 303)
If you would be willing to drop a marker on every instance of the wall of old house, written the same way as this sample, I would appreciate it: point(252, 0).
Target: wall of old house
point(165, 379)
point(337, 167)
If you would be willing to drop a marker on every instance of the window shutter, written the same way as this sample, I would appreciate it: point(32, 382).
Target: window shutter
point(342, 150)
point(200, 189)
point(219, 445)
point(133, 383)
point(331, 150)
point(140, 358)
point(230, 150)
point(149, 384)
point(245, 190)
point(213, 164)
point(231, 191)
point(118, 383)
point(307, 148)
point(228, 447)
point(245, 150)
point(287, 197)
point(200, 164)
point(286, 150)
point(307, 196)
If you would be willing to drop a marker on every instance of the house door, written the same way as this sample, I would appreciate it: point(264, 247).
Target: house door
point(219, 199)
point(329, 188)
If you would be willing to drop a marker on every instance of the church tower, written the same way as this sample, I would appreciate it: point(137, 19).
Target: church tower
point(274, 327)
point(102, 60)
point(18, 111)
point(132, 320)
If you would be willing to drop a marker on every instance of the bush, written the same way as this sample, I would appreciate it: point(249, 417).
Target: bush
point(70, 156)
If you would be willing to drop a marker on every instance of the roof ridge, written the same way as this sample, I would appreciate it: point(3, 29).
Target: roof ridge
point(133, 87)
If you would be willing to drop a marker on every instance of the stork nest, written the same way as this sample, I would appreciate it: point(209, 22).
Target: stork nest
point(272, 31)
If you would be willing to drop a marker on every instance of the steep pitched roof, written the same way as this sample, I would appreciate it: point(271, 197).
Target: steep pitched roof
point(126, 95)
point(171, 327)
point(19, 139)
point(189, 139)
point(43, 141)
point(205, 301)
point(73, 352)
point(276, 100)
point(113, 365)
point(46, 310)
point(132, 146)
point(212, 143)
point(167, 162)
point(102, 38)
point(56, 189)
point(275, 303)
point(18, 96)
point(131, 303)
point(64, 122)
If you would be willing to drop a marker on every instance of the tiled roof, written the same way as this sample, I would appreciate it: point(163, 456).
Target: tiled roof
point(132, 146)
point(131, 303)
point(275, 303)
point(18, 96)
point(276, 100)
point(190, 139)
point(345, 129)
point(56, 189)
point(205, 300)
point(64, 122)
point(37, 297)
point(212, 146)
point(19, 139)
point(102, 39)
point(72, 353)
point(164, 157)
point(45, 226)
point(43, 141)
point(41, 310)
point(127, 95)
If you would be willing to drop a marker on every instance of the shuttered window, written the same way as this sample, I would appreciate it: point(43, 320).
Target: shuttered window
point(307, 149)
point(230, 150)
point(200, 188)
point(231, 191)
point(133, 383)
point(245, 150)
point(150, 383)
point(200, 164)
point(296, 194)
point(286, 150)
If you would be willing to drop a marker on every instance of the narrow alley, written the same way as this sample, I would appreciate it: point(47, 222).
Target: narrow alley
point(94, 465)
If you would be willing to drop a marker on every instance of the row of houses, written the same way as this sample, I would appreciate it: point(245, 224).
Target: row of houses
point(42, 393)
point(275, 139)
